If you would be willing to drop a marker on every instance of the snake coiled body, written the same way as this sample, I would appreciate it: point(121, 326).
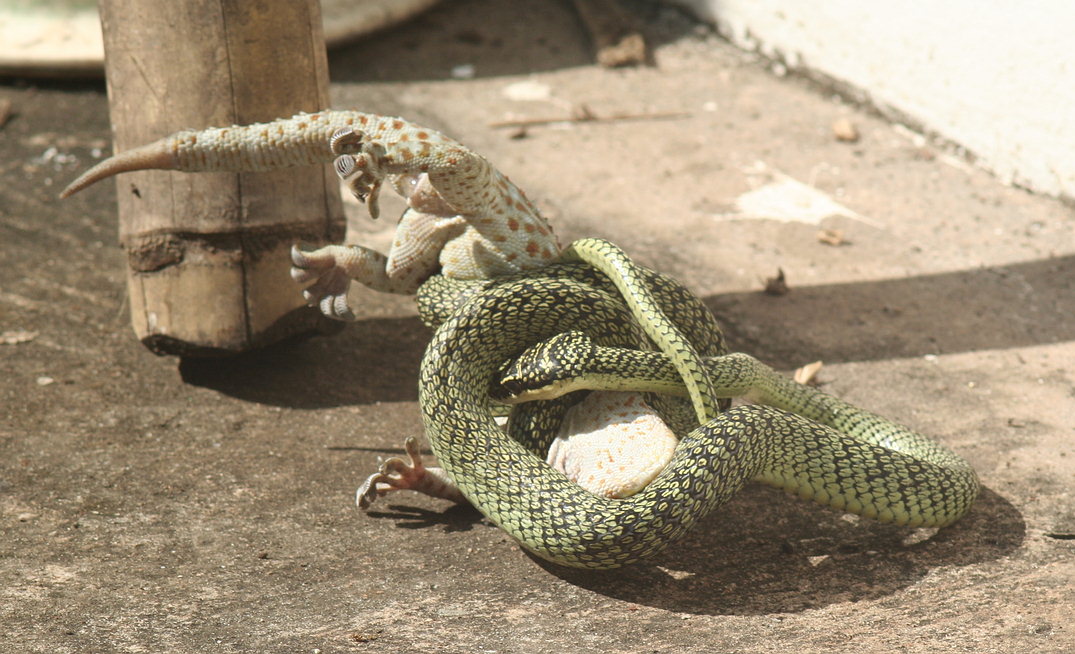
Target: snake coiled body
point(494, 321)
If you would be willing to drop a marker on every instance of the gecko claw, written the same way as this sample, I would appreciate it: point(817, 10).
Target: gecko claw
point(373, 200)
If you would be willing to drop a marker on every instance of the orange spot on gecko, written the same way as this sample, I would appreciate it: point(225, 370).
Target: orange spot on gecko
point(531, 248)
point(422, 136)
point(529, 227)
point(397, 124)
point(545, 253)
point(513, 224)
point(363, 119)
point(511, 256)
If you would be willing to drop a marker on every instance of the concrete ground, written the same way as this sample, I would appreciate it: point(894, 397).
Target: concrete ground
point(149, 504)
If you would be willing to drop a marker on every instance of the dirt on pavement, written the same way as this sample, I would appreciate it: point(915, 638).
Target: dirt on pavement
point(150, 504)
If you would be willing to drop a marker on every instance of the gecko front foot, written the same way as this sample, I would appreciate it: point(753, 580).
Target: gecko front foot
point(328, 266)
point(357, 165)
point(397, 474)
point(346, 140)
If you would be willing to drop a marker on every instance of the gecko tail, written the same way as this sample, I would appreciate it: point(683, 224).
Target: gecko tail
point(157, 155)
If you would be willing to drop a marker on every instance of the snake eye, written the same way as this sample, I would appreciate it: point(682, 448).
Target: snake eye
point(511, 387)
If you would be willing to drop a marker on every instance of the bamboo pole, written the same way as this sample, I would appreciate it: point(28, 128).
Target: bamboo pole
point(208, 252)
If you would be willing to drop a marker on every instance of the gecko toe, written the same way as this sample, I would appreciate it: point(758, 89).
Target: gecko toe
point(344, 166)
point(342, 139)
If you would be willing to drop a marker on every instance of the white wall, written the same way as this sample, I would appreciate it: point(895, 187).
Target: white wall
point(994, 76)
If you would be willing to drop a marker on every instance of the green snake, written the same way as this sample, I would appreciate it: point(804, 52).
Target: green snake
point(844, 457)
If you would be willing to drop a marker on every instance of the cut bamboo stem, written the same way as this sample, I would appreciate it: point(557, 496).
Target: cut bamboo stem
point(208, 252)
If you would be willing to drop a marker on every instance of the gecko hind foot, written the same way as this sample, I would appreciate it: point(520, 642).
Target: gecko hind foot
point(397, 474)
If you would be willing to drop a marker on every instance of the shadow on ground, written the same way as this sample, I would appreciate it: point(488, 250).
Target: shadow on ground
point(494, 39)
point(1016, 305)
point(375, 361)
point(1011, 306)
point(766, 553)
point(456, 518)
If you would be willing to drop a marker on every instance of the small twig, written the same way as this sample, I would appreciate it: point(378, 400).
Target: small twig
point(590, 118)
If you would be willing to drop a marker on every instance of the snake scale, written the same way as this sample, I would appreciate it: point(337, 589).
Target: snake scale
point(858, 462)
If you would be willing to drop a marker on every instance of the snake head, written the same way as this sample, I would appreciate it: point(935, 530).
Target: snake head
point(549, 369)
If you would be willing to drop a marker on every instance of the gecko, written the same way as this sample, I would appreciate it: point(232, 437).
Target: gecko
point(464, 219)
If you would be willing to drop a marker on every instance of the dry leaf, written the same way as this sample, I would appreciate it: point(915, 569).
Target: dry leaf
point(807, 375)
point(832, 237)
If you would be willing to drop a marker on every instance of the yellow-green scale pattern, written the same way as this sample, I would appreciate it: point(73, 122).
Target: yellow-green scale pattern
point(628, 280)
point(492, 322)
point(937, 489)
